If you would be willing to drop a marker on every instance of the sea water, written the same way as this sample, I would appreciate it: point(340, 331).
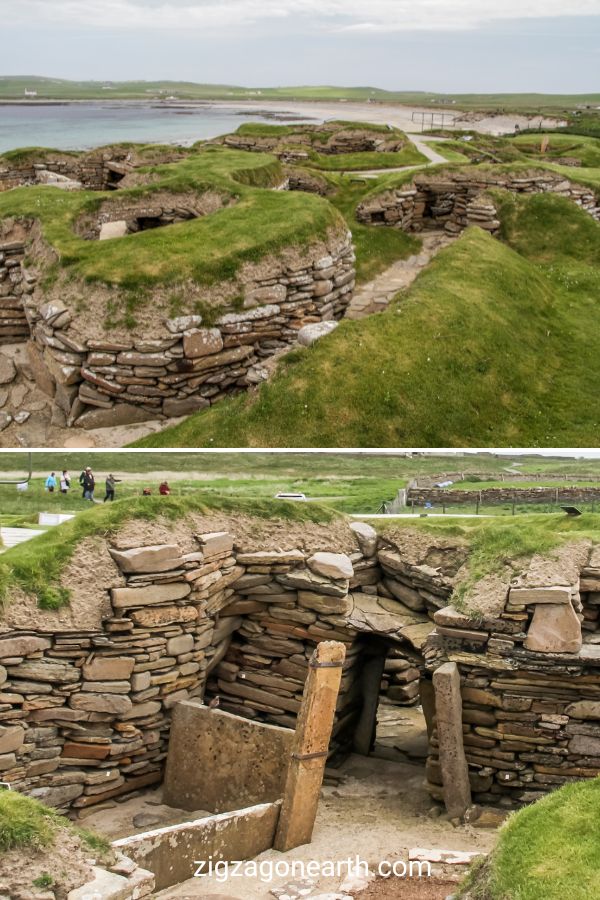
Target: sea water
point(82, 125)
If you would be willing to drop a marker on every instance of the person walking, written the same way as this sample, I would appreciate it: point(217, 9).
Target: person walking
point(51, 483)
point(65, 482)
point(81, 482)
point(111, 481)
point(88, 483)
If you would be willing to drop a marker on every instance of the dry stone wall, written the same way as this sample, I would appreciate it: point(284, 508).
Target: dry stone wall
point(455, 200)
point(85, 714)
point(183, 365)
point(530, 683)
point(439, 496)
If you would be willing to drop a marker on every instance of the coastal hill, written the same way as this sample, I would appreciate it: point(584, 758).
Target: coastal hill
point(14, 87)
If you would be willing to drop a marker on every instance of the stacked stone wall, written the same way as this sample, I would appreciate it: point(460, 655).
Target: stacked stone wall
point(183, 366)
point(439, 496)
point(455, 200)
point(15, 285)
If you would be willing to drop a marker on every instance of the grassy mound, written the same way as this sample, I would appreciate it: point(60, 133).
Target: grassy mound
point(547, 851)
point(203, 250)
point(495, 344)
point(36, 565)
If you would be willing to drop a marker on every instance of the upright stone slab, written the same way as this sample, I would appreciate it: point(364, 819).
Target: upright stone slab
point(554, 628)
point(453, 763)
point(220, 762)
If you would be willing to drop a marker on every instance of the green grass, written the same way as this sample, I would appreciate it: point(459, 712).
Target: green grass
point(203, 250)
point(14, 86)
point(585, 149)
point(547, 851)
point(25, 823)
point(509, 328)
point(340, 162)
point(36, 565)
point(376, 248)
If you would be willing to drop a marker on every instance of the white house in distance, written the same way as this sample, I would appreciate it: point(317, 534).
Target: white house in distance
point(30, 93)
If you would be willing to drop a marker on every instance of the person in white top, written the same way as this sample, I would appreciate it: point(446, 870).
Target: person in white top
point(65, 482)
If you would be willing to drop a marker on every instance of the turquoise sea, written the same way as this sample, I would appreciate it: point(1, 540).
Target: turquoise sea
point(79, 126)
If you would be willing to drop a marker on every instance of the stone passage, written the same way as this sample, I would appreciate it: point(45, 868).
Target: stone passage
point(453, 200)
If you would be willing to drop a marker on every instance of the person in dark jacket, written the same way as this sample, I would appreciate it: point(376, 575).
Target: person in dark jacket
point(111, 481)
point(88, 482)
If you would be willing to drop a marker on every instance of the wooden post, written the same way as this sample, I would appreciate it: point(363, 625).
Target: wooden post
point(310, 747)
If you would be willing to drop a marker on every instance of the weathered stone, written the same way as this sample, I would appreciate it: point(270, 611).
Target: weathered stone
point(22, 646)
point(453, 763)
point(108, 703)
point(57, 796)
point(584, 709)
point(309, 334)
point(155, 558)
point(331, 565)
point(554, 628)
point(109, 230)
point(119, 414)
point(123, 598)
point(105, 885)
point(202, 342)
point(269, 557)
point(183, 643)
point(527, 596)
point(163, 615)
point(11, 738)
point(173, 407)
point(109, 668)
point(325, 603)
point(8, 371)
point(366, 537)
point(183, 323)
point(216, 543)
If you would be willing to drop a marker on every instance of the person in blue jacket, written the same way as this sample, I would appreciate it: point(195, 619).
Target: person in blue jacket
point(51, 483)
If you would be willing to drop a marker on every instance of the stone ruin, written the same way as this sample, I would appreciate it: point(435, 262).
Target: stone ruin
point(455, 199)
point(329, 139)
point(87, 695)
point(182, 364)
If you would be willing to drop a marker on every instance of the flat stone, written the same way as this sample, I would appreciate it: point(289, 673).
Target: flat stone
point(325, 603)
point(154, 558)
point(174, 407)
point(179, 324)
point(183, 643)
point(528, 596)
point(109, 703)
point(57, 796)
point(554, 628)
point(216, 543)
point(202, 342)
point(104, 886)
point(109, 230)
point(311, 333)
point(331, 565)
point(11, 738)
point(584, 709)
point(11, 648)
point(109, 668)
point(157, 593)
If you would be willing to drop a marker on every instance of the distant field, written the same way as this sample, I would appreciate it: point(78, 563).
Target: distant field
point(60, 89)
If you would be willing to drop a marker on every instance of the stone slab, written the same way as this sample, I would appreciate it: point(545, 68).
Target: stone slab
point(219, 761)
point(174, 853)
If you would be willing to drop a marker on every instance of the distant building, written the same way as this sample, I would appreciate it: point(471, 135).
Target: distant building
point(30, 93)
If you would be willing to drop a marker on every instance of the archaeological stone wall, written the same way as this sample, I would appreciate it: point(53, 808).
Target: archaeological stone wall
point(85, 713)
point(439, 496)
point(454, 200)
point(530, 684)
point(182, 365)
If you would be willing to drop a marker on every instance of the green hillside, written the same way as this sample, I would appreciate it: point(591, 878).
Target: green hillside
point(495, 344)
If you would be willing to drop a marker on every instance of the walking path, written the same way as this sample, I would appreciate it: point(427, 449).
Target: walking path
point(12, 536)
point(376, 295)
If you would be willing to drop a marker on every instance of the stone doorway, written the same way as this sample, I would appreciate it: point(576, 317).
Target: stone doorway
point(394, 699)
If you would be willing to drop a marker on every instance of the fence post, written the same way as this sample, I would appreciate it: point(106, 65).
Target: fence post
point(310, 746)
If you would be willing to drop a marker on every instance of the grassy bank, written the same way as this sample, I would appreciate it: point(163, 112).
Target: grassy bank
point(547, 851)
point(507, 327)
point(36, 565)
point(203, 250)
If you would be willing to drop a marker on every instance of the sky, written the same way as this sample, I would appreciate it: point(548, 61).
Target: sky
point(436, 45)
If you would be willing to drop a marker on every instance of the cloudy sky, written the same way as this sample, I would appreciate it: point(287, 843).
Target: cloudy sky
point(453, 45)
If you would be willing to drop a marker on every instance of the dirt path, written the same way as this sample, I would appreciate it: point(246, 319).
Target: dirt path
point(378, 810)
point(376, 295)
